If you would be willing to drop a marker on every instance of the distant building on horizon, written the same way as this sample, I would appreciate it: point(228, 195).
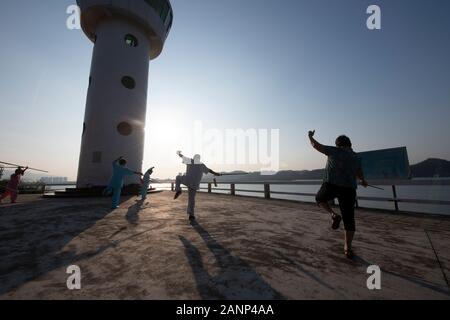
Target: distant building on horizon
point(53, 180)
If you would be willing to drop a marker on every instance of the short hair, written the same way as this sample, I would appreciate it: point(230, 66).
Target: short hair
point(18, 171)
point(197, 158)
point(343, 141)
point(122, 162)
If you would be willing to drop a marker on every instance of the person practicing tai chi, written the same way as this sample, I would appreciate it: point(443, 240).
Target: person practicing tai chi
point(145, 180)
point(116, 183)
point(12, 187)
point(342, 169)
point(194, 173)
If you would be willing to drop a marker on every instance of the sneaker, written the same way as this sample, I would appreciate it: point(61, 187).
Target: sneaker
point(336, 221)
point(177, 194)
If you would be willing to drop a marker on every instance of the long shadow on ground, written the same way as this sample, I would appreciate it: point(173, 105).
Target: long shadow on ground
point(32, 238)
point(236, 279)
point(132, 215)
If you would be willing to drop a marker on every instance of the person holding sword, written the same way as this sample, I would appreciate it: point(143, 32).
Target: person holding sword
point(342, 169)
point(12, 188)
point(194, 173)
point(116, 183)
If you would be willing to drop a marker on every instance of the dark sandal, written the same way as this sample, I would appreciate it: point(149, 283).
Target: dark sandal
point(336, 221)
point(349, 253)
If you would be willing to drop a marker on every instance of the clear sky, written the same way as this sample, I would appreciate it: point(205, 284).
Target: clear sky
point(270, 64)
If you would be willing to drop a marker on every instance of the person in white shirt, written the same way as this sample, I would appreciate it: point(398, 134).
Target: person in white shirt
point(194, 173)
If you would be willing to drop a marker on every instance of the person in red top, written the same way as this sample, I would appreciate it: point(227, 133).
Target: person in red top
point(12, 188)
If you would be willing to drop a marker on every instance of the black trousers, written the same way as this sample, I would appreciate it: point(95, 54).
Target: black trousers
point(346, 198)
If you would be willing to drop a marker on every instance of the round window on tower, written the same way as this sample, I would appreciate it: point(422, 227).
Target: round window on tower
point(124, 128)
point(131, 40)
point(128, 82)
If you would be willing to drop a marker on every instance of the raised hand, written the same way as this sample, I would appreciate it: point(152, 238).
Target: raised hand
point(311, 133)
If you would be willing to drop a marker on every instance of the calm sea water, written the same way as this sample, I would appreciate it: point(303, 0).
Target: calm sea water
point(404, 192)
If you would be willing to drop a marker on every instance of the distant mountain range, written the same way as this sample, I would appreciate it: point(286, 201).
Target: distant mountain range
point(426, 169)
point(431, 168)
point(287, 175)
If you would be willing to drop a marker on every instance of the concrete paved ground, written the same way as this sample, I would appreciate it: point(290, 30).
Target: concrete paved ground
point(240, 248)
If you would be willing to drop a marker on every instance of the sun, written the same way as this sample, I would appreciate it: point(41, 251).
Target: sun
point(163, 130)
point(164, 134)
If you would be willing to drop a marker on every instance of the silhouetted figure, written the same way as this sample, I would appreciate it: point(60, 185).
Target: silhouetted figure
point(194, 173)
point(12, 187)
point(145, 180)
point(116, 183)
point(343, 167)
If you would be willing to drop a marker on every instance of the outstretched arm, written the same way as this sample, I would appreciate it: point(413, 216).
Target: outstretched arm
point(213, 172)
point(316, 145)
point(130, 172)
point(186, 160)
point(149, 172)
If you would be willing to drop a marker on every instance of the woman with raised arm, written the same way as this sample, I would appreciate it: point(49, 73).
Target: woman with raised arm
point(343, 167)
point(194, 173)
point(116, 183)
point(12, 188)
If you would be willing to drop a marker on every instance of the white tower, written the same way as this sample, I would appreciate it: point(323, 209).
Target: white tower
point(126, 35)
